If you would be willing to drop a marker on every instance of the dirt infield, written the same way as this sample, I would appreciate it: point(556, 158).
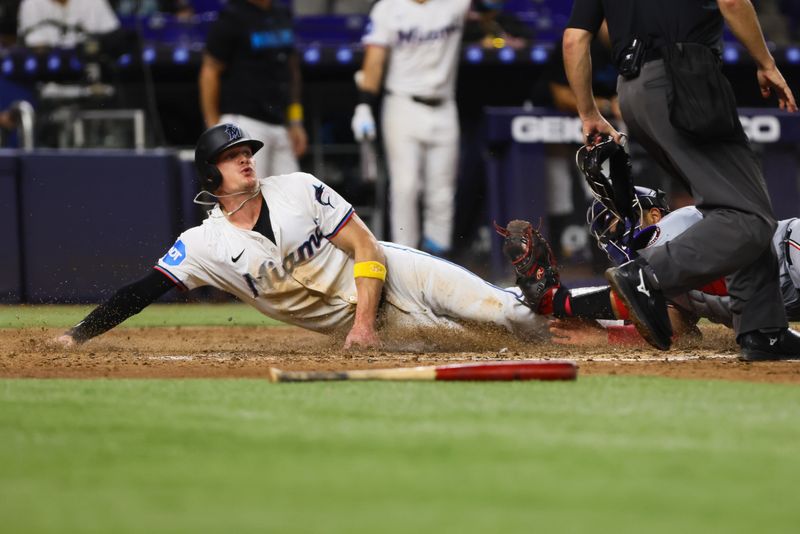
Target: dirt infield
point(249, 351)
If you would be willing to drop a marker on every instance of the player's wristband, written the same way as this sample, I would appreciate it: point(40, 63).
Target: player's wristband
point(369, 269)
point(366, 97)
point(294, 113)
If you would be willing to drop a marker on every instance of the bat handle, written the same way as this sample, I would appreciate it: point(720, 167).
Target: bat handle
point(276, 375)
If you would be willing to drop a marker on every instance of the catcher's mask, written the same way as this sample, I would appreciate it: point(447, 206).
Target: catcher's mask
point(607, 169)
point(211, 144)
point(618, 239)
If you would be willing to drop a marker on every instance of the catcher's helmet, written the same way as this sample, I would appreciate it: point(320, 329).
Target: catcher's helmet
point(613, 187)
point(647, 198)
point(211, 144)
point(616, 238)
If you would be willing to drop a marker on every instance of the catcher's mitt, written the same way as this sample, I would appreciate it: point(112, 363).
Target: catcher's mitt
point(530, 254)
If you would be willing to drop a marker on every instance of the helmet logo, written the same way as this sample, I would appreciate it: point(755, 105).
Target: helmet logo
point(539, 273)
point(233, 132)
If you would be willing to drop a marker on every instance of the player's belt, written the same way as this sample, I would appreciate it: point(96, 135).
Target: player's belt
point(651, 54)
point(432, 101)
point(428, 101)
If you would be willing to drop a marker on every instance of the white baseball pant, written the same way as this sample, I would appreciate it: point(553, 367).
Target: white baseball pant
point(426, 291)
point(421, 144)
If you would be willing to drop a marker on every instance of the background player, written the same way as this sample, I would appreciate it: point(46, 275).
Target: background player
point(250, 75)
point(295, 250)
point(417, 43)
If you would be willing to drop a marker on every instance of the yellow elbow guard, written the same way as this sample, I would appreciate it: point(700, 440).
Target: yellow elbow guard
point(369, 269)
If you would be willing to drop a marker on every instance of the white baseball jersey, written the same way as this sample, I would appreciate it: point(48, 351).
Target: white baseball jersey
point(421, 140)
point(673, 224)
point(49, 23)
point(424, 41)
point(787, 246)
point(305, 280)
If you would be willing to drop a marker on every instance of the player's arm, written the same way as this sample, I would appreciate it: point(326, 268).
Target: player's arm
point(740, 16)
point(127, 301)
point(578, 66)
point(370, 272)
point(374, 64)
point(368, 82)
point(209, 85)
point(583, 332)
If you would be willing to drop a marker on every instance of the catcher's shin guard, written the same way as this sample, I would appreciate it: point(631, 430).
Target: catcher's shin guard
point(534, 264)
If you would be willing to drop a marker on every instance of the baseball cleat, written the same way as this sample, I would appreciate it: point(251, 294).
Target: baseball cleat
point(764, 346)
point(634, 283)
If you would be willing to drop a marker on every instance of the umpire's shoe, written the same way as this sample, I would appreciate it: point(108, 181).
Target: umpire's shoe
point(783, 344)
point(635, 283)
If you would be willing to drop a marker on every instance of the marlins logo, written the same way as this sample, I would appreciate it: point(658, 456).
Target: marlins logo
point(233, 132)
point(318, 190)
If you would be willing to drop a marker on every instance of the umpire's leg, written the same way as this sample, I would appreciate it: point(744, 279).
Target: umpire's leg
point(735, 237)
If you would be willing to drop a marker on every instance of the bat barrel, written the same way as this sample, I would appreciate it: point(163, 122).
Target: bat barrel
point(525, 370)
point(498, 371)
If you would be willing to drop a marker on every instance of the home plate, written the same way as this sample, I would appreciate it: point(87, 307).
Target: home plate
point(676, 358)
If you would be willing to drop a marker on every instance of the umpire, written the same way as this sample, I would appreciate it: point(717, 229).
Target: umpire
point(679, 106)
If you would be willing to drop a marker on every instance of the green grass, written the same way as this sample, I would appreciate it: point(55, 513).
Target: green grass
point(604, 454)
point(62, 316)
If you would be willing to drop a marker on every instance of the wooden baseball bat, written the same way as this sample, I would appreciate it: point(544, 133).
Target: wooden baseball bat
point(514, 370)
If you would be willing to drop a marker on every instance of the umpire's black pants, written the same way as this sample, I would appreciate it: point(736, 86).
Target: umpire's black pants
point(735, 236)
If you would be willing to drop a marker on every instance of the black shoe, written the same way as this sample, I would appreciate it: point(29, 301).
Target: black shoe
point(648, 309)
point(762, 347)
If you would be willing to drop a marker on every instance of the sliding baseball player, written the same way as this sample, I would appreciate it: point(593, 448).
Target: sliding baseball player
point(295, 250)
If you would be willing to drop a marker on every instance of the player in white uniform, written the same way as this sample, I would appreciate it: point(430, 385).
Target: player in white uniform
point(294, 249)
point(417, 42)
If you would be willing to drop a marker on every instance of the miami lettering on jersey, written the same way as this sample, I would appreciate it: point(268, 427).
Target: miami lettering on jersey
point(415, 36)
point(270, 274)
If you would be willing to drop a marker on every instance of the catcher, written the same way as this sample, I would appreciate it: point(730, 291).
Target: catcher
point(295, 250)
point(654, 226)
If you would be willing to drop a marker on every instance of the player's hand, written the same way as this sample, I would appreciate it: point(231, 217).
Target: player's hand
point(361, 337)
point(299, 139)
point(7, 121)
point(363, 123)
point(64, 341)
point(577, 332)
point(595, 126)
point(771, 81)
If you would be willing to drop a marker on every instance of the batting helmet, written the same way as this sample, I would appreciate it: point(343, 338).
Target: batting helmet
point(211, 144)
